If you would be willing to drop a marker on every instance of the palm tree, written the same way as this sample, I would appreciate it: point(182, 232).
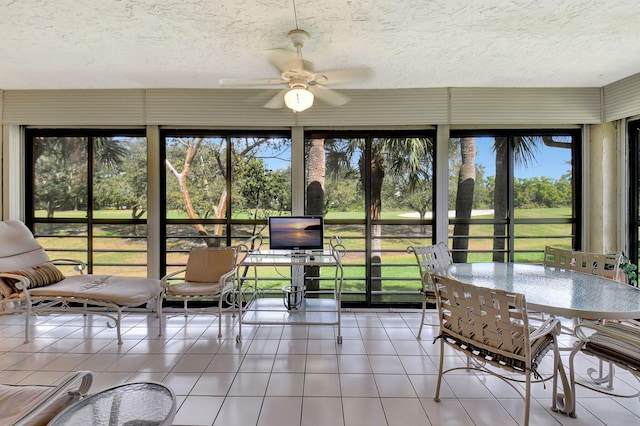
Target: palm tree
point(410, 157)
point(315, 198)
point(315, 178)
point(62, 164)
point(464, 199)
point(524, 149)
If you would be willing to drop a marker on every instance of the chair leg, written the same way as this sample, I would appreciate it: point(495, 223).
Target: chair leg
point(186, 311)
point(570, 403)
point(424, 308)
point(118, 323)
point(159, 300)
point(220, 315)
point(556, 368)
point(440, 368)
point(527, 398)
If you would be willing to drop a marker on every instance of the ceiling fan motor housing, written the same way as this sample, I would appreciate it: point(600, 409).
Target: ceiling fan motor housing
point(298, 38)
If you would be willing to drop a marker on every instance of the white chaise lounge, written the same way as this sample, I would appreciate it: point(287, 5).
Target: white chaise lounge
point(30, 282)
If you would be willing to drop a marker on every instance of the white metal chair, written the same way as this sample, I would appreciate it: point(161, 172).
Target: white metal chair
point(37, 404)
point(492, 329)
point(210, 275)
point(558, 258)
point(617, 344)
point(434, 259)
point(604, 265)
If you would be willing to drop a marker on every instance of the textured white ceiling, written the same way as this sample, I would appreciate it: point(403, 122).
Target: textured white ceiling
point(68, 44)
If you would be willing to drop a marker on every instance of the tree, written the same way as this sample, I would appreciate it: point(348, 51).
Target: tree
point(524, 150)
point(192, 146)
point(407, 156)
point(121, 183)
point(315, 178)
point(464, 199)
point(61, 169)
point(202, 182)
point(500, 198)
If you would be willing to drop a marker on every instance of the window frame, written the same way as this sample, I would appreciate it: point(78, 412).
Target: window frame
point(90, 221)
point(576, 170)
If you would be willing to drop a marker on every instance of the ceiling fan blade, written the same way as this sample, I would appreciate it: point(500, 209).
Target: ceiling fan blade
point(284, 59)
point(328, 95)
point(227, 82)
point(343, 76)
point(277, 101)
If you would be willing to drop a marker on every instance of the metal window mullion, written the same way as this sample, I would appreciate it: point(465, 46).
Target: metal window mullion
point(90, 169)
point(367, 218)
point(511, 201)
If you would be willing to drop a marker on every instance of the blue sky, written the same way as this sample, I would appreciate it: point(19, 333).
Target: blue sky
point(549, 162)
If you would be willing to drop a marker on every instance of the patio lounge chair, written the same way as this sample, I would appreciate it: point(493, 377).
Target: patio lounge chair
point(30, 282)
point(30, 405)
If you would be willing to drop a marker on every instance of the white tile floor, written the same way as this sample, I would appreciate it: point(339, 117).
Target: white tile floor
point(289, 375)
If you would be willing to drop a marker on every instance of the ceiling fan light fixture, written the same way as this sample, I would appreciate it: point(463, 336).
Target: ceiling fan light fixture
point(298, 99)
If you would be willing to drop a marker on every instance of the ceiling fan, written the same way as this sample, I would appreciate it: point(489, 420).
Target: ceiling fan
point(302, 81)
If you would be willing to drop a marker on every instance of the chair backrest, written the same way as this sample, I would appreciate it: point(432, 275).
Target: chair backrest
point(208, 264)
point(18, 248)
point(558, 258)
point(491, 322)
point(604, 265)
point(434, 259)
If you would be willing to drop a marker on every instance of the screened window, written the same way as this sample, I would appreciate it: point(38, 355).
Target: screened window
point(89, 197)
point(375, 190)
point(220, 189)
point(511, 194)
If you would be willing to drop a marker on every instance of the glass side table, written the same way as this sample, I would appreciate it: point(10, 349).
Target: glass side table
point(141, 404)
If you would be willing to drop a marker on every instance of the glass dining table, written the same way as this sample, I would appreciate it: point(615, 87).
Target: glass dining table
point(558, 292)
point(555, 291)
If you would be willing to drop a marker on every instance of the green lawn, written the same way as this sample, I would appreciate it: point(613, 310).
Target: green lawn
point(399, 271)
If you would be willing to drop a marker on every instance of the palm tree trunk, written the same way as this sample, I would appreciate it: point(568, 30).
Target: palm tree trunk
point(375, 211)
point(315, 199)
point(464, 198)
point(500, 199)
point(315, 178)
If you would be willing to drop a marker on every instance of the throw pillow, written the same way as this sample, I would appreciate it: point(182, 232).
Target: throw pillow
point(40, 276)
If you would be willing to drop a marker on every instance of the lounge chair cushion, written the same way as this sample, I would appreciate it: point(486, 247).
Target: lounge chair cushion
point(189, 288)
point(39, 276)
point(123, 291)
point(15, 400)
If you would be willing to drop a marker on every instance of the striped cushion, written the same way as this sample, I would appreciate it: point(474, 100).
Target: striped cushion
point(539, 348)
point(40, 276)
point(623, 352)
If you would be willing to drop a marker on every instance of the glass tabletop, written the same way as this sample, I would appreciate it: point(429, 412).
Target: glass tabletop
point(147, 403)
point(556, 291)
point(284, 257)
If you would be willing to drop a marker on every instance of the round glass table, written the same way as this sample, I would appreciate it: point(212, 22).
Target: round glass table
point(555, 291)
point(147, 403)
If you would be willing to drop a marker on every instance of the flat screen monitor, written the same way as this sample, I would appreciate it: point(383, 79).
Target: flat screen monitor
point(296, 232)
